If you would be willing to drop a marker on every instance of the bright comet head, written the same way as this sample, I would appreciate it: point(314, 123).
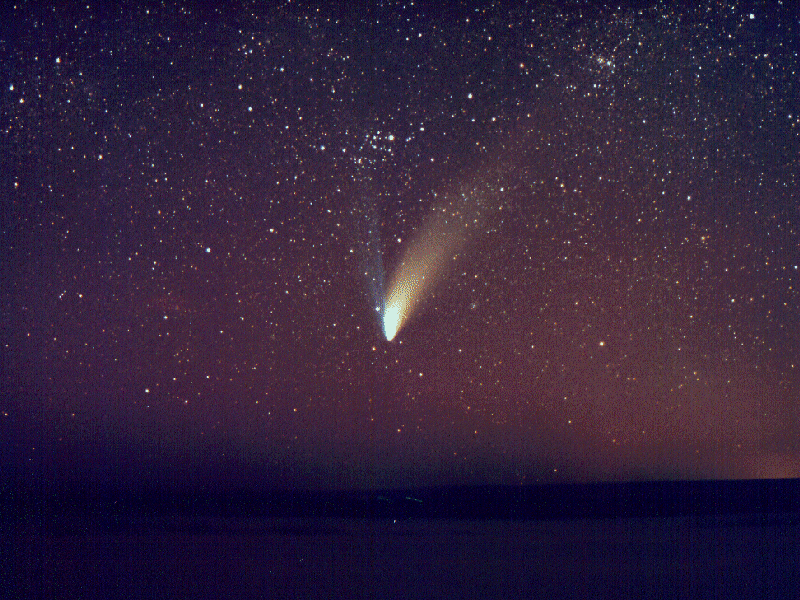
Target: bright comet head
point(391, 322)
point(399, 298)
point(392, 316)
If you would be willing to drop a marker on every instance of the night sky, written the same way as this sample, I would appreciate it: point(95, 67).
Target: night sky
point(202, 211)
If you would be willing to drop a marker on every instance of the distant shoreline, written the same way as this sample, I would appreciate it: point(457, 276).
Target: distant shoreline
point(83, 507)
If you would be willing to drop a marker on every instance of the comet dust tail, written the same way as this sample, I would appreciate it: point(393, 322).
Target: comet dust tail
point(414, 276)
point(429, 256)
point(424, 263)
point(398, 302)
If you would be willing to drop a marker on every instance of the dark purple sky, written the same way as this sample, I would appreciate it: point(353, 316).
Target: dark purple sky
point(191, 200)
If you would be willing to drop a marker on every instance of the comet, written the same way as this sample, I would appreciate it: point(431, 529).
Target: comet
point(421, 269)
point(429, 256)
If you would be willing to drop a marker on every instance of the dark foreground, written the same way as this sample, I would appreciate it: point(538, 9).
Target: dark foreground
point(653, 540)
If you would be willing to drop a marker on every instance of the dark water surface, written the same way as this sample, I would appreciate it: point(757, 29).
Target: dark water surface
point(737, 556)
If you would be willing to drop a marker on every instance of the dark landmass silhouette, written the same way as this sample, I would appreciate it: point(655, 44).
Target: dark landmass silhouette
point(90, 508)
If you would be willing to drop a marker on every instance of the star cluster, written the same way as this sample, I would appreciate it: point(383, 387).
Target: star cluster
point(197, 203)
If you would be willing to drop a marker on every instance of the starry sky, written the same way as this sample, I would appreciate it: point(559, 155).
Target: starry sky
point(202, 209)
